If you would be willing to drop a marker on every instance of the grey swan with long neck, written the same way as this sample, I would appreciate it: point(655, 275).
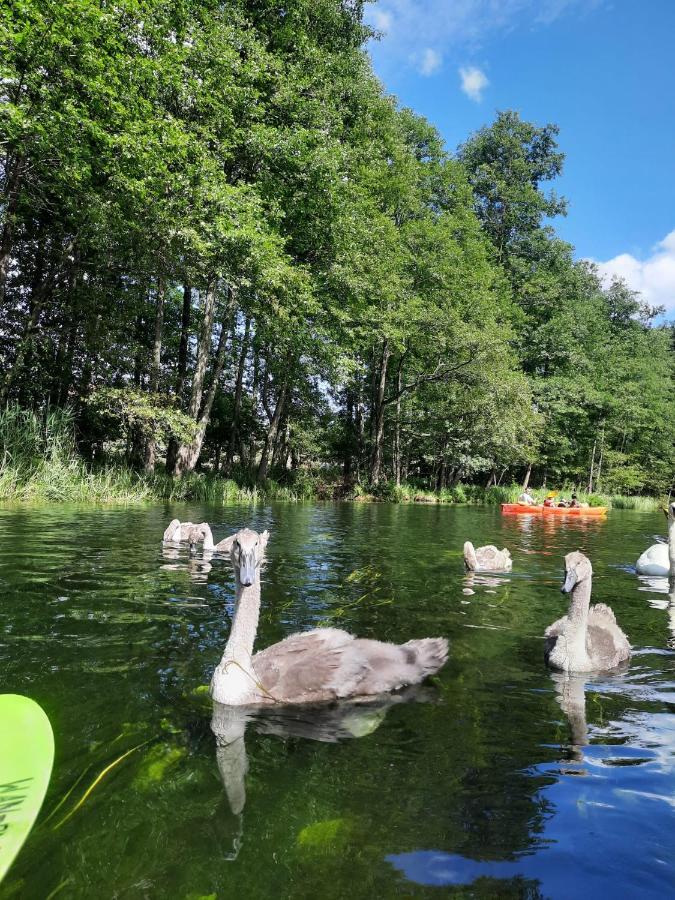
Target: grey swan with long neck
point(588, 638)
point(325, 664)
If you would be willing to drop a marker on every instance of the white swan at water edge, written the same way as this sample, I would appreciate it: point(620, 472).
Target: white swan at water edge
point(659, 559)
point(325, 664)
point(486, 559)
point(587, 638)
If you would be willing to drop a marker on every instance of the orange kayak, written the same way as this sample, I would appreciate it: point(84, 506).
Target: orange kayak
point(510, 508)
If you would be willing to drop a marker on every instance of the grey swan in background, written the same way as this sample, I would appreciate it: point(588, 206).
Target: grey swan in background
point(202, 534)
point(659, 559)
point(586, 639)
point(325, 664)
point(177, 531)
point(486, 559)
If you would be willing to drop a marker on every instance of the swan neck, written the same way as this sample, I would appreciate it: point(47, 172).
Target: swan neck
point(239, 645)
point(208, 538)
point(578, 611)
point(671, 545)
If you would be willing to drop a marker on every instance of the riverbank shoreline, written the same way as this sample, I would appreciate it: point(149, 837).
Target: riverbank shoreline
point(51, 481)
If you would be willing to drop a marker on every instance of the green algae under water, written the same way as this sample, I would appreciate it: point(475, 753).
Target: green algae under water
point(499, 779)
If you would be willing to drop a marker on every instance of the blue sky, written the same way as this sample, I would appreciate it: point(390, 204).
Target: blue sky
point(603, 71)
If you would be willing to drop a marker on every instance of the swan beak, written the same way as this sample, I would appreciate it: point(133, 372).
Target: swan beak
point(247, 570)
point(569, 582)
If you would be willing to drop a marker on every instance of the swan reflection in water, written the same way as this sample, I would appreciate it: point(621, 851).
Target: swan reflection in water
point(571, 695)
point(197, 567)
point(661, 591)
point(484, 580)
point(328, 723)
point(602, 771)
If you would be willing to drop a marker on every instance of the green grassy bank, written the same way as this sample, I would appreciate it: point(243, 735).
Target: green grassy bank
point(39, 464)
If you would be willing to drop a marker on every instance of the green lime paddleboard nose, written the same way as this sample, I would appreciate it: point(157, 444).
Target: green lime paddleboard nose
point(26, 759)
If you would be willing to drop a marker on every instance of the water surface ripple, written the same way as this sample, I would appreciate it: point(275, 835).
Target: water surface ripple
point(500, 779)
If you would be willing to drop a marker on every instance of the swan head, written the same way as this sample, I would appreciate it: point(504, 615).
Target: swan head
point(577, 569)
point(670, 512)
point(200, 533)
point(247, 553)
point(195, 535)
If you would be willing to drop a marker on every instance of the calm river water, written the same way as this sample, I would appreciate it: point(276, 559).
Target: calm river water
point(498, 780)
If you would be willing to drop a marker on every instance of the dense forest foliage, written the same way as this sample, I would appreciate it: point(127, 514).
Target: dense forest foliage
point(224, 246)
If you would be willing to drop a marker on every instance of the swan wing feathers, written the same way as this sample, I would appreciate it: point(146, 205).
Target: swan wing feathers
point(551, 636)
point(601, 614)
point(606, 644)
point(556, 628)
point(304, 667)
point(492, 558)
point(329, 664)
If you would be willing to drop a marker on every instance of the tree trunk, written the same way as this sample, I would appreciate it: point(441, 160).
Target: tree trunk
point(277, 445)
point(272, 433)
point(590, 476)
point(359, 430)
point(67, 370)
point(203, 350)
point(238, 389)
point(347, 457)
point(526, 480)
point(280, 452)
point(440, 474)
point(188, 454)
point(397, 430)
point(155, 366)
point(254, 392)
point(15, 369)
point(64, 356)
point(155, 370)
point(598, 478)
point(181, 368)
point(378, 416)
point(10, 203)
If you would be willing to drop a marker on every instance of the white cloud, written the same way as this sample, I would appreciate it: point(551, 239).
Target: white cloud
point(653, 277)
point(430, 61)
point(474, 82)
point(380, 20)
point(413, 26)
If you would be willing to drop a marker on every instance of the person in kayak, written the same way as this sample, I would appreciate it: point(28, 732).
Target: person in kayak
point(550, 499)
point(574, 502)
point(526, 499)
